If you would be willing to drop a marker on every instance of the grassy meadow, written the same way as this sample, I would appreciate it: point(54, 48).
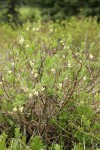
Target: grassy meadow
point(50, 86)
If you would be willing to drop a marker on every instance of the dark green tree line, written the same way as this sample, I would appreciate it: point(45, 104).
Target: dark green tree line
point(55, 9)
point(62, 9)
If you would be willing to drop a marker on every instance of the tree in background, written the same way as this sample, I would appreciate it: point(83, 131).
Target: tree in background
point(50, 9)
point(62, 9)
point(11, 13)
point(91, 8)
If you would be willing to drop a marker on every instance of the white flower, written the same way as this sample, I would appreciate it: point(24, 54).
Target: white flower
point(27, 45)
point(25, 89)
point(36, 75)
point(64, 46)
point(34, 29)
point(66, 78)
point(36, 93)
point(68, 47)
point(12, 64)
point(32, 72)
point(53, 70)
point(51, 30)
point(76, 54)
point(21, 41)
point(30, 95)
point(0, 83)
point(69, 65)
point(18, 75)
point(63, 56)
point(15, 109)
point(60, 85)
point(2, 79)
point(37, 29)
point(84, 78)
point(9, 71)
point(21, 109)
point(42, 89)
point(27, 28)
point(31, 63)
point(91, 56)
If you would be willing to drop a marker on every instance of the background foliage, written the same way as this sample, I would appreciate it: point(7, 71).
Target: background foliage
point(21, 10)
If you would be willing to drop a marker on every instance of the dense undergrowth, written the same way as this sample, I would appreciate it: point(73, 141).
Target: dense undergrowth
point(49, 86)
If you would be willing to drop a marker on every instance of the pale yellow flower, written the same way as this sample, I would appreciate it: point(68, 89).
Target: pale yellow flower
point(91, 56)
point(27, 29)
point(30, 95)
point(36, 93)
point(21, 41)
point(60, 85)
point(34, 29)
point(12, 64)
point(31, 63)
point(15, 109)
point(9, 71)
point(21, 109)
point(69, 65)
point(42, 89)
point(37, 29)
point(84, 78)
point(27, 45)
point(63, 56)
point(53, 70)
point(51, 30)
point(36, 75)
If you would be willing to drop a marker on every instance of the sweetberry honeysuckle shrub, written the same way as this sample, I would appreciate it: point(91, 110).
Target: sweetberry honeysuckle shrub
point(49, 85)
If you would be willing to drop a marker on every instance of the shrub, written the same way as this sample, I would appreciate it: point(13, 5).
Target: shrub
point(49, 86)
